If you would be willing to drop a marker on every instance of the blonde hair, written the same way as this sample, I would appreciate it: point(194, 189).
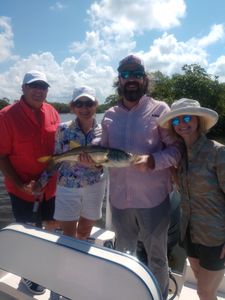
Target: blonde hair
point(202, 126)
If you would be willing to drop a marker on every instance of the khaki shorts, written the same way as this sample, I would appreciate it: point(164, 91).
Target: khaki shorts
point(73, 203)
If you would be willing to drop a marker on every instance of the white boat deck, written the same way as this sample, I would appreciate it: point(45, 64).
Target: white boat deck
point(188, 291)
point(10, 280)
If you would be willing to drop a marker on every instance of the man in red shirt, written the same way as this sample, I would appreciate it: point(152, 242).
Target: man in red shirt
point(27, 130)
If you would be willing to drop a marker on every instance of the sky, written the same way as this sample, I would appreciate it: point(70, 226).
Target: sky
point(80, 42)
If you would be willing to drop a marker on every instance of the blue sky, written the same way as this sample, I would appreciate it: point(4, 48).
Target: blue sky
point(80, 42)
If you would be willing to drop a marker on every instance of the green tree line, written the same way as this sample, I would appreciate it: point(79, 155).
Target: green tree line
point(194, 82)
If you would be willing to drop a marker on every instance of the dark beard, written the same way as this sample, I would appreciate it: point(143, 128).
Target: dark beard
point(134, 95)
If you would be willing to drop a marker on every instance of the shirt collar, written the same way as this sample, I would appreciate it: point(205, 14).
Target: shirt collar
point(26, 107)
point(95, 124)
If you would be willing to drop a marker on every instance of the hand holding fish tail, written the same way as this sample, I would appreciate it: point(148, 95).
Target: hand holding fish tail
point(28, 187)
point(37, 188)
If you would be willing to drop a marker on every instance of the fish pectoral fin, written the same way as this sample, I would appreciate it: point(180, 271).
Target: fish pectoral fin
point(73, 145)
point(106, 163)
point(44, 159)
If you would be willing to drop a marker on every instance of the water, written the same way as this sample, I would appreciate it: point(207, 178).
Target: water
point(5, 207)
point(68, 117)
point(6, 216)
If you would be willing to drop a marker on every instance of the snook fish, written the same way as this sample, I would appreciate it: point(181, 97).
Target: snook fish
point(108, 157)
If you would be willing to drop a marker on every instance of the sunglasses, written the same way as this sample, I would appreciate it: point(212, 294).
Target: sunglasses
point(176, 121)
point(82, 103)
point(38, 85)
point(130, 73)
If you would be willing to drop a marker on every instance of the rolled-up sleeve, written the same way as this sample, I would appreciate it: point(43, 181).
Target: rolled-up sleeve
point(171, 154)
point(104, 136)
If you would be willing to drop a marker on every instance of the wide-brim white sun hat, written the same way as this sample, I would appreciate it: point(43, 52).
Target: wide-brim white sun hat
point(191, 107)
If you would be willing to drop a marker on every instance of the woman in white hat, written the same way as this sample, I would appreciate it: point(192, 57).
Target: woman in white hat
point(201, 182)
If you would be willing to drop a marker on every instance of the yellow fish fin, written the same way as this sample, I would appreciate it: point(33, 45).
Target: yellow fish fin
point(73, 145)
point(44, 159)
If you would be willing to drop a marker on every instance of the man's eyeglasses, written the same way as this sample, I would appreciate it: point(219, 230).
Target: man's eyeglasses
point(132, 73)
point(176, 121)
point(38, 85)
point(83, 103)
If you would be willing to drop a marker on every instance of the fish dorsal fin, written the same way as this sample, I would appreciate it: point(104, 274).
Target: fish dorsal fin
point(44, 159)
point(73, 145)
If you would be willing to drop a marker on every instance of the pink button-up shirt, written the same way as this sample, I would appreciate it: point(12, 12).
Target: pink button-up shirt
point(136, 131)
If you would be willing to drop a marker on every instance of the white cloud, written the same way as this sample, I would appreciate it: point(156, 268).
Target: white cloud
point(92, 41)
point(218, 68)
point(6, 40)
point(63, 77)
point(168, 55)
point(216, 33)
point(115, 23)
point(139, 15)
point(57, 6)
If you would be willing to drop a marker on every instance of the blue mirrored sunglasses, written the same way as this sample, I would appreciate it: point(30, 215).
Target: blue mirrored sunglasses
point(132, 73)
point(176, 121)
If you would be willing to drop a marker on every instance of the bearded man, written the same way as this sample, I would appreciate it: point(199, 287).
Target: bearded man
point(139, 197)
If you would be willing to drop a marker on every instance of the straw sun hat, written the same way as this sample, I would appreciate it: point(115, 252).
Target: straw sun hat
point(191, 107)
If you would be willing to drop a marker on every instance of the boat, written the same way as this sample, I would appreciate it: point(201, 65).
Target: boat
point(81, 270)
point(75, 269)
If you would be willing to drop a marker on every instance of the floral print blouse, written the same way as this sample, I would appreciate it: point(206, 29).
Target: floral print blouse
point(75, 175)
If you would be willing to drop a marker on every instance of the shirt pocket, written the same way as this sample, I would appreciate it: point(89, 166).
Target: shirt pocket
point(48, 138)
point(23, 146)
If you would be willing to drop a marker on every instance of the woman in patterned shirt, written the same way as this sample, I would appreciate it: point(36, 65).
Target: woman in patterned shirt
point(81, 187)
point(201, 182)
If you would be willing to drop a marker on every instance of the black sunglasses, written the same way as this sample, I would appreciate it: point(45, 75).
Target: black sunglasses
point(83, 103)
point(132, 73)
point(38, 85)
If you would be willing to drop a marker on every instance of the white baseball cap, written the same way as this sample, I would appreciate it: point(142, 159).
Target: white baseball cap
point(33, 76)
point(84, 91)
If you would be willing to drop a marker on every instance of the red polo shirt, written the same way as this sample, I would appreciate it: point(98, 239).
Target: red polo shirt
point(24, 140)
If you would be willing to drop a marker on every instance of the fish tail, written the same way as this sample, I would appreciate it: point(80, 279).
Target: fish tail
point(44, 159)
